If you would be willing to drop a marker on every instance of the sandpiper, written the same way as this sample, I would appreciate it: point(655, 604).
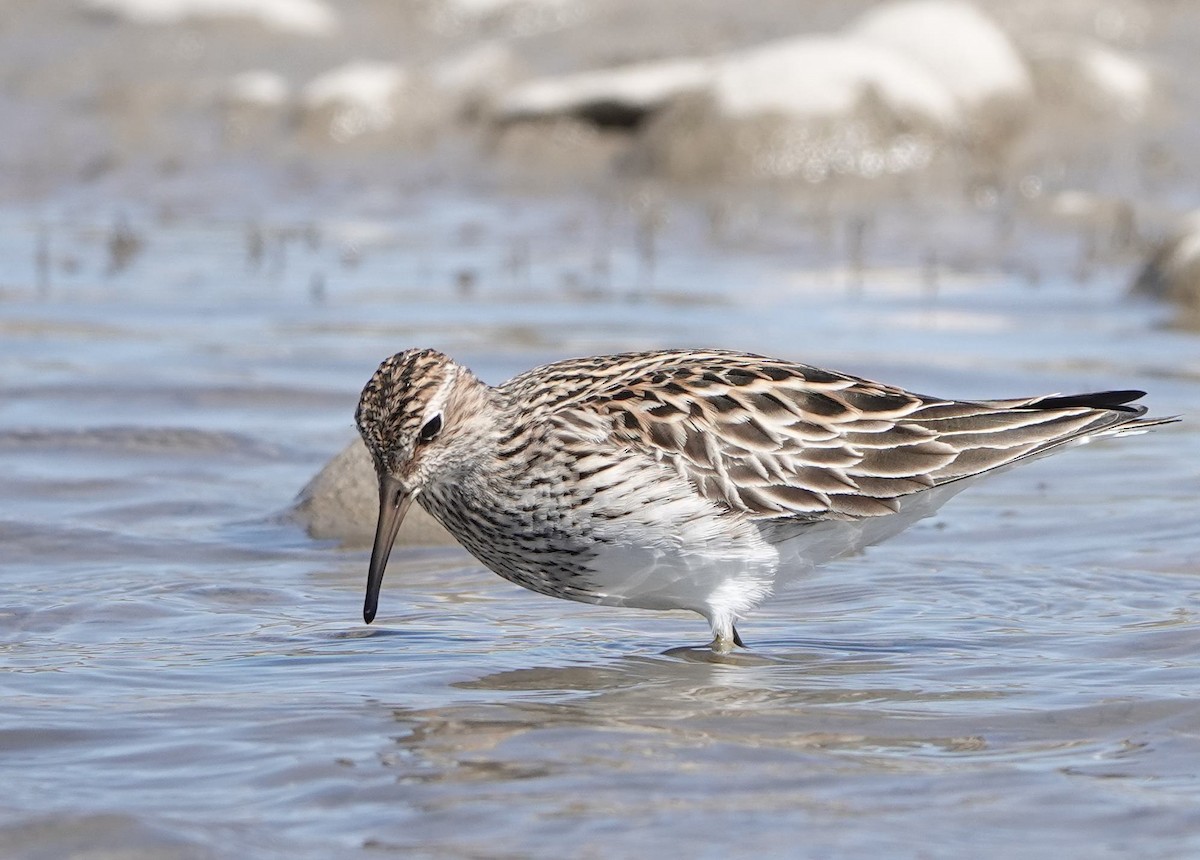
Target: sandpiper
point(685, 479)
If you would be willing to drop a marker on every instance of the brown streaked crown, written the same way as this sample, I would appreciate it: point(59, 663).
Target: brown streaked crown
point(392, 406)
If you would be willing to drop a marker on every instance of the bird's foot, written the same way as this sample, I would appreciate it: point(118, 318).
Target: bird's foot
point(723, 642)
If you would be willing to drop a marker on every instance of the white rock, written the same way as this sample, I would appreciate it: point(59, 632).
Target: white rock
point(1117, 79)
point(1186, 250)
point(362, 96)
point(364, 84)
point(928, 60)
point(1091, 75)
point(303, 17)
point(641, 86)
point(1172, 273)
point(483, 68)
point(828, 76)
point(966, 51)
point(259, 87)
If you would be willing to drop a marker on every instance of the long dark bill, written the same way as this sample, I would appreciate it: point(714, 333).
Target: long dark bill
point(393, 505)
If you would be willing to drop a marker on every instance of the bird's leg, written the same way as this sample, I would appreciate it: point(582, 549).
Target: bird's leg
point(737, 640)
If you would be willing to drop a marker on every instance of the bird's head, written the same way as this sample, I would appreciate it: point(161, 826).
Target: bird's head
point(413, 417)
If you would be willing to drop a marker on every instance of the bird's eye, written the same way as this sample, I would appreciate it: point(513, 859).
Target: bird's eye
point(432, 427)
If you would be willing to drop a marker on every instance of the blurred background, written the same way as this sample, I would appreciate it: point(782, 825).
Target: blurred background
point(335, 148)
point(218, 216)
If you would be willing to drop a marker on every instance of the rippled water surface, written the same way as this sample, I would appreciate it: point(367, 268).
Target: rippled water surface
point(186, 673)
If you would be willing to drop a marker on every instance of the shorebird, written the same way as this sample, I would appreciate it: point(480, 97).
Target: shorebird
point(685, 479)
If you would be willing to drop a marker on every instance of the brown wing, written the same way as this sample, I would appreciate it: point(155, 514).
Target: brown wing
point(773, 439)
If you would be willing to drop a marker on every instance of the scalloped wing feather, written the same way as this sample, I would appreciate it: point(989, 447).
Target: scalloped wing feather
point(771, 439)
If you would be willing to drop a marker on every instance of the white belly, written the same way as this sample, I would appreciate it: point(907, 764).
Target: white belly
point(727, 575)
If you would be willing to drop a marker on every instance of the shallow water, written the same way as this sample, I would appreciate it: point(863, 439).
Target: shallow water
point(187, 673)
point(191, 298)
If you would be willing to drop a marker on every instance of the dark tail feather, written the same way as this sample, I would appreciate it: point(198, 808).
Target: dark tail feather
point(1121, 418)
point(1114, 400)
